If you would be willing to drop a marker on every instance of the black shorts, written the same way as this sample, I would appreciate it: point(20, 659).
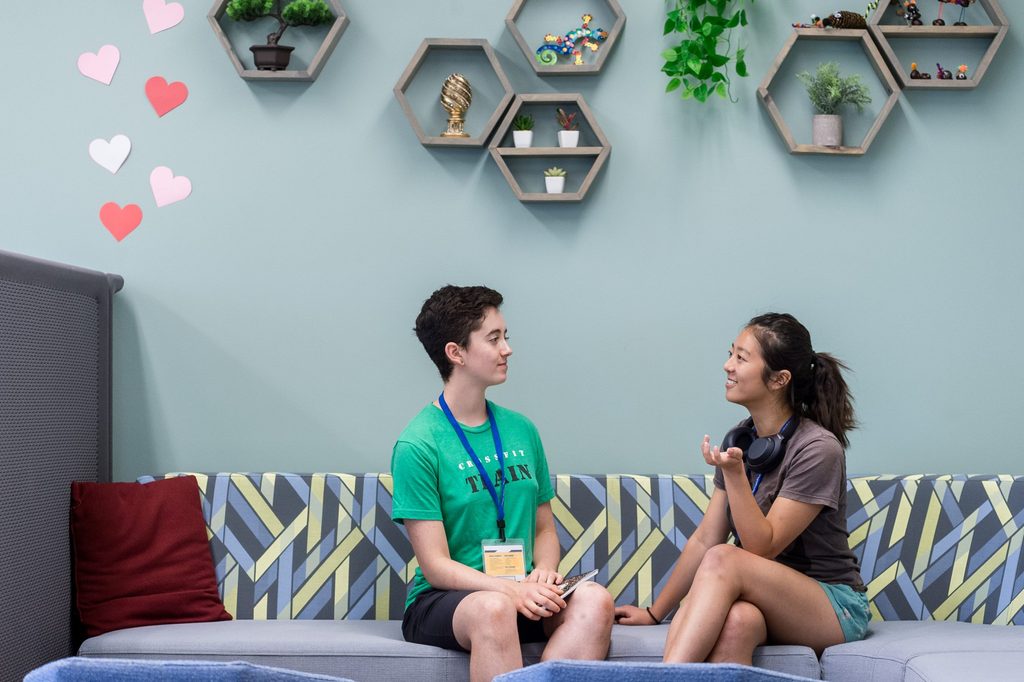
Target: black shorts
point(430, 620)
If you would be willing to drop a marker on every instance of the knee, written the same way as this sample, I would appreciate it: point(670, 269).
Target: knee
point(593, 603)
point(493, 614)
point(744, 624)
point(720, 560)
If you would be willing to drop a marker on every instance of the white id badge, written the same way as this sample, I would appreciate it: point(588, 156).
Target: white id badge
point(504, 559)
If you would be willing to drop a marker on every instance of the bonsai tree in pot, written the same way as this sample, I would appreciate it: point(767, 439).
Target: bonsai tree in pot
point(554, 180)
point(828, 91)
point(272, 56)
point(522, 130)
point(569, 135)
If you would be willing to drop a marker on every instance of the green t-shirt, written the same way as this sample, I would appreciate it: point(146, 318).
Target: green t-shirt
point(435, 480)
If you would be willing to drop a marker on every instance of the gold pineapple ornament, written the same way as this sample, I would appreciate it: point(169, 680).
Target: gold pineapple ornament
point(456, 96)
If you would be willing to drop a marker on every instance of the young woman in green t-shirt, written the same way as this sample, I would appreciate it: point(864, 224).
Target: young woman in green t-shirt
point(466, 473)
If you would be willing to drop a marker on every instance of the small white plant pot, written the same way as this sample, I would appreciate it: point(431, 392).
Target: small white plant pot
point(568, 138)
point(554, 185)
point(522, 138)
point(827, 130)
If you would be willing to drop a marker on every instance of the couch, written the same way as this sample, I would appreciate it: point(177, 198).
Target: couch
point(314, 571)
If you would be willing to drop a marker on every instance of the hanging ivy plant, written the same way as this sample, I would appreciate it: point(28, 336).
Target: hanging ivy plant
point(699, 64)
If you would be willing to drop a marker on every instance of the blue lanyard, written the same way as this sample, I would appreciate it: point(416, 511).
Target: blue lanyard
point(499, 502)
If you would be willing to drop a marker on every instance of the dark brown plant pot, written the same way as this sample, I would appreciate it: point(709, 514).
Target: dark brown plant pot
point(271, 57)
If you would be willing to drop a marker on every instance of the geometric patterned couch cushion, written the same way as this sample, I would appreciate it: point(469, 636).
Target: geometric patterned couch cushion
point(291, 546)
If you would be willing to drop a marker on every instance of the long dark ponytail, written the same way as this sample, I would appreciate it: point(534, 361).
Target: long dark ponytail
point(817, 389)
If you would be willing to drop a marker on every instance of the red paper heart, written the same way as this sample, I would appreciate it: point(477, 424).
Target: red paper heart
point(120, 221)
point(164, 96)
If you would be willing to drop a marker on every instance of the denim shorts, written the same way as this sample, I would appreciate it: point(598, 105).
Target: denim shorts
point(852, 609)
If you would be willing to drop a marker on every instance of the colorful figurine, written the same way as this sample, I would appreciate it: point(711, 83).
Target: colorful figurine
point(961, 73)
point(917, 75)
point(963, 8)
point(943, 74)
point(571, 43)
point(911, 13)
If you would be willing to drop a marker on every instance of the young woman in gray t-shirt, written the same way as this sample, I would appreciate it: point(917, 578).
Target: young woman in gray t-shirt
point(780, 490)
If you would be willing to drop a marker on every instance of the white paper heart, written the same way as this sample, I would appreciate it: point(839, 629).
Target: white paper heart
point(161, 15)
point(111, 155)
point(166, 187)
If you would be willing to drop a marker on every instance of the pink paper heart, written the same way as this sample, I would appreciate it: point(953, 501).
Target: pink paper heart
point(166, 187)
point(120, 221)
point(161, 15)
point(100, 66)
point(164, 96)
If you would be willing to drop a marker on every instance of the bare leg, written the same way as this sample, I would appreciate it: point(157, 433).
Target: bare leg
point(485, 623)
point(583, 629)
point(795, 608)
point(744, 629)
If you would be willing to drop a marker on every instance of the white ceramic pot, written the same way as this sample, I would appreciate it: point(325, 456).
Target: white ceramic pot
point(554, 185)
point(568, 138)
point(522, 138)
point(827, 130)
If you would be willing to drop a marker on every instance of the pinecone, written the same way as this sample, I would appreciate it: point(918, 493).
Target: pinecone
point(845, 19)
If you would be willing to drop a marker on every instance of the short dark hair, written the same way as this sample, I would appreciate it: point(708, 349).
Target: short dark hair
point(451, 314)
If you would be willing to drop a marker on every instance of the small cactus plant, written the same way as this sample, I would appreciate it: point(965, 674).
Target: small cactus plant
point(554, 172)
point(522, 122)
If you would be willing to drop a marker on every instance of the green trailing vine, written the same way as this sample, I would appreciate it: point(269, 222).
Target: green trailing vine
point(699, 64)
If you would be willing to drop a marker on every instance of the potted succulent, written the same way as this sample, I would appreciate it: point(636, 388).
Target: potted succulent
point(272, 56)
point(554, 180)
point(828, 91)
point(522, 130)
point(569, 135)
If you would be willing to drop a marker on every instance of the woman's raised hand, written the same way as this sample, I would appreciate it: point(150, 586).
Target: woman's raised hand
point(731, 459)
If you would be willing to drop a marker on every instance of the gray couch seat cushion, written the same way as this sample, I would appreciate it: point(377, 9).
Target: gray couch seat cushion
point(646, 644)
point(356, 649)
point(959, 667)
point(893, 649)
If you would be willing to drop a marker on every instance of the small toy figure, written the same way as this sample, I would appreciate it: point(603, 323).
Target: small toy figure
point(571, 43)
point(917, 75)
point(963, 8)
point(943, 74)
point(911, 13)
point(961, 73)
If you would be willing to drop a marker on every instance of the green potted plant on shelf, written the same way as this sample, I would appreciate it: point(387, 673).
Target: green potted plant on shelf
point(554, 180)
point(522, 130)
point(272, 56)
point(569, 135)
point(828, 91)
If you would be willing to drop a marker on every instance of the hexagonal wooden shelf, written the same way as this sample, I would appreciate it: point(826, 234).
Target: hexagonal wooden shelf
point(874, 57)
point(599, 152)
point(884, 34)
point(308, 74)
point(479, 139)
point(568, 69)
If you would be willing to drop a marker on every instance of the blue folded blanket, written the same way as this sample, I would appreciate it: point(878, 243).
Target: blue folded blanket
point(125, 670)
point(601, 671)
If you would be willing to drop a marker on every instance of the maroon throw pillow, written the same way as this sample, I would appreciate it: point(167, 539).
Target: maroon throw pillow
point(141, 555)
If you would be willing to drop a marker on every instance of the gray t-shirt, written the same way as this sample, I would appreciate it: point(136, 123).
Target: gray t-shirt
point(812, 471)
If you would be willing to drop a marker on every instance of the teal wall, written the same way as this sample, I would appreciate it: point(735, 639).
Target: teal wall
point(265, 322)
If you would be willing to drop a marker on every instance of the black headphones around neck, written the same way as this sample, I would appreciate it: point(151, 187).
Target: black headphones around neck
point(760, 455)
